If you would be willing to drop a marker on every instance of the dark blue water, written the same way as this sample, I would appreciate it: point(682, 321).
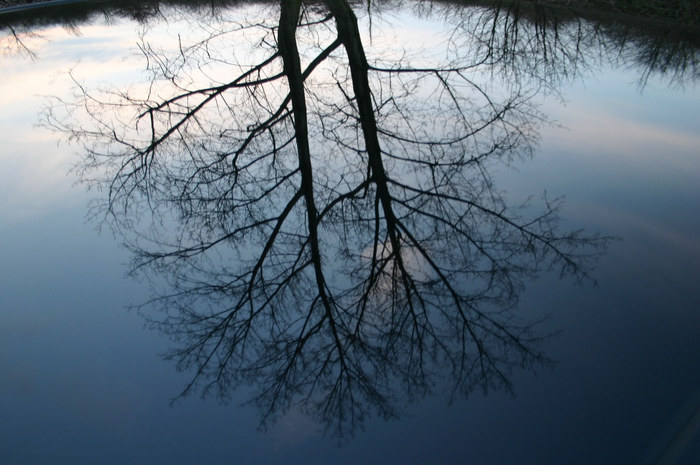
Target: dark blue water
point(82, 380)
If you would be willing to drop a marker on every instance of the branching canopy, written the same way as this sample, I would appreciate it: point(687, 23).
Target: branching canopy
point(325, 214)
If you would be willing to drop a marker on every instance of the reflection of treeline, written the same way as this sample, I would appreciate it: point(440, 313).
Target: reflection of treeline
point(669, 52)
point(80, 12)
point(664, 48)
point(669, 48)
point(684, 11)
point(559, 37)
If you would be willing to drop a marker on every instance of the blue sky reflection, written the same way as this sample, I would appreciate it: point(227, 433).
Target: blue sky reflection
point(82, 381)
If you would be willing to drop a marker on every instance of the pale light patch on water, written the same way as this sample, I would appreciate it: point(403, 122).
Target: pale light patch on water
point(34, 166)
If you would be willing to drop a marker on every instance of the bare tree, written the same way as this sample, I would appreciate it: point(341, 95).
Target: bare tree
point(327, 222)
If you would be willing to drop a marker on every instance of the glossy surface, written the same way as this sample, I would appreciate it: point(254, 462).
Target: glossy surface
point(82, 381)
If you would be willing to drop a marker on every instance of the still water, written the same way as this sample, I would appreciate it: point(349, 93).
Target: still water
point(602, 115)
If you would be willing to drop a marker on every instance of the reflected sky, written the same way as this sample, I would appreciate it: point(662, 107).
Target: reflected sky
point(82, 381)
point(34, 169)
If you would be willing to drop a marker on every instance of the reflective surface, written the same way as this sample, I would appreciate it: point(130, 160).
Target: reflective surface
point(84, 382)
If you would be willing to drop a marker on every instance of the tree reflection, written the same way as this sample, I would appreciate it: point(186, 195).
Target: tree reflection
point(328, 223)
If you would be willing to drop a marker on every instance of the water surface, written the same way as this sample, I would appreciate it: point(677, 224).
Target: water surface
point(83, 381)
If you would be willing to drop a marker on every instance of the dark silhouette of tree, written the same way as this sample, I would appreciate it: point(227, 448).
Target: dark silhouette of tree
point(327, 222)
